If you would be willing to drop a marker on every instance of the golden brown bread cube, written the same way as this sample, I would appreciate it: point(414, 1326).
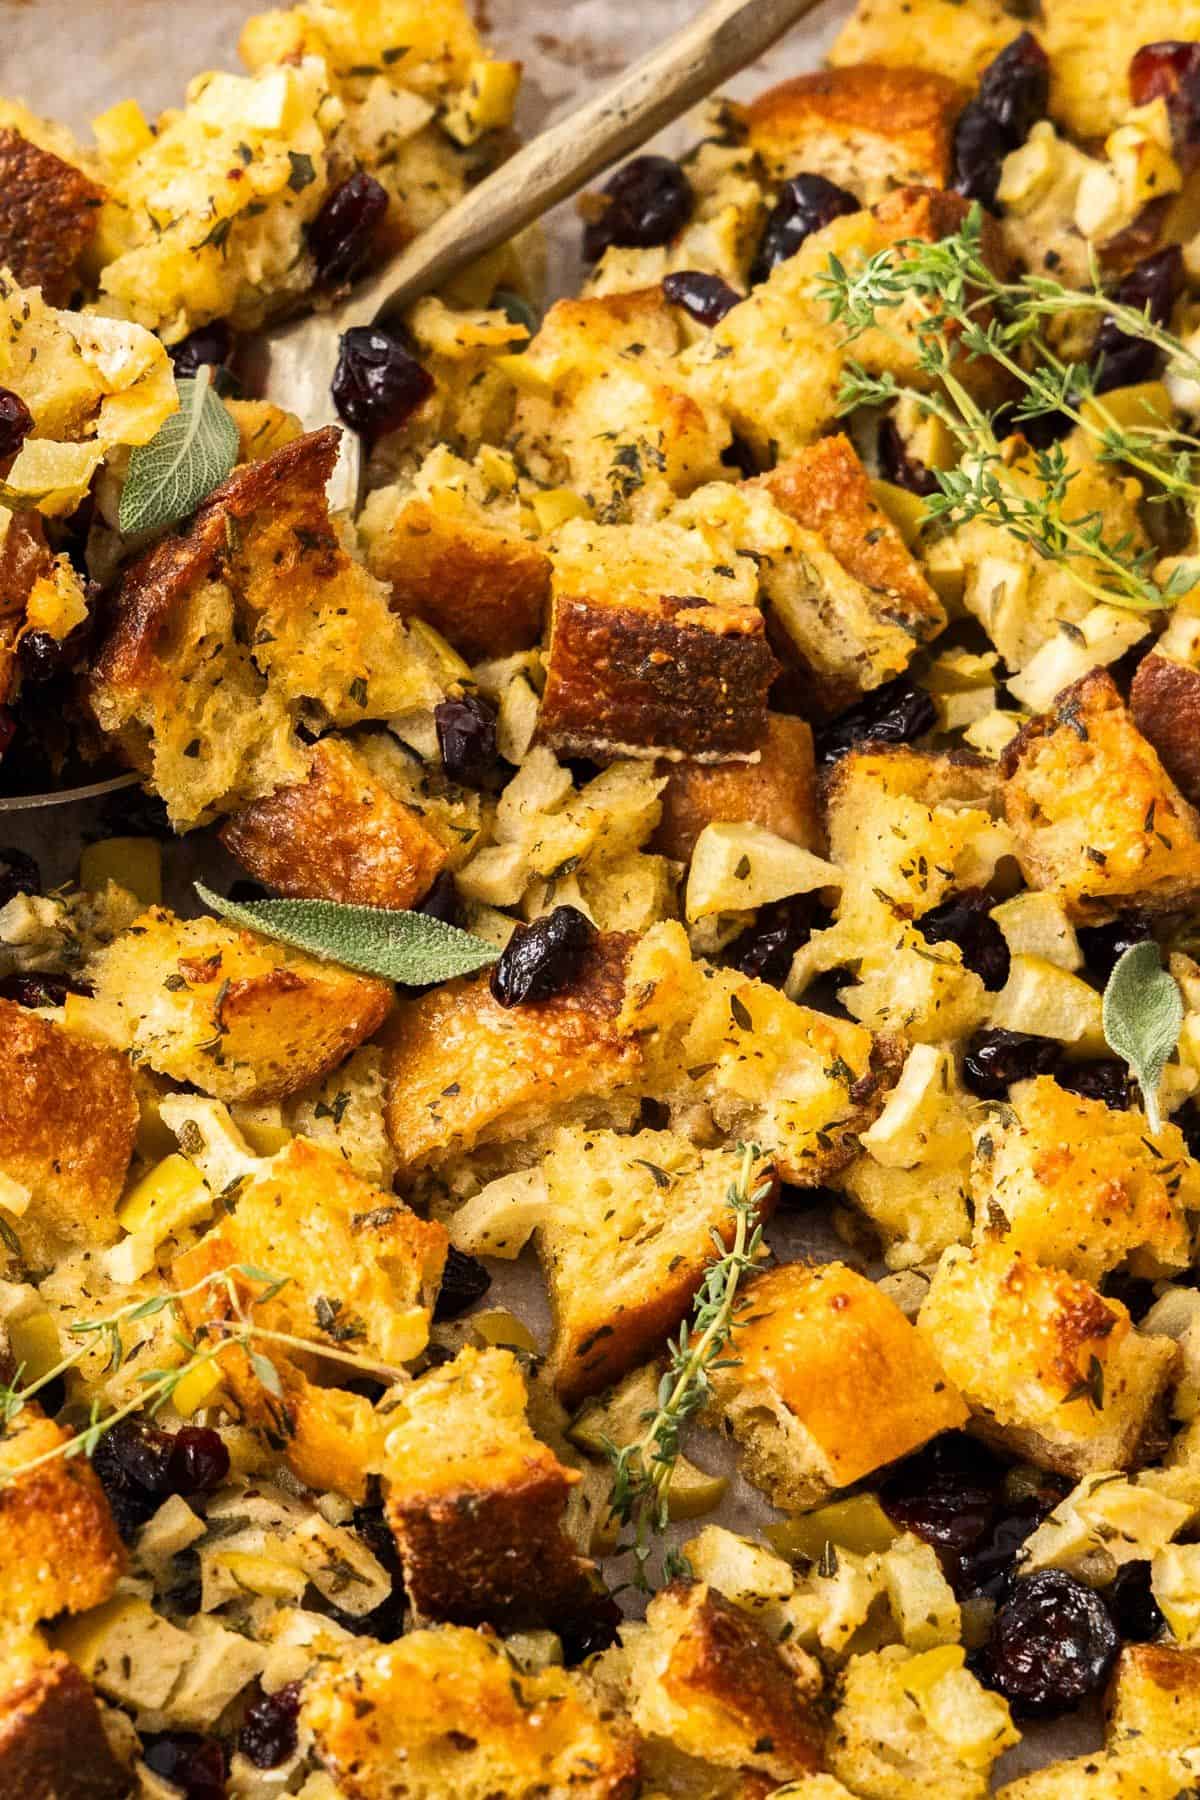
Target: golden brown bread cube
point(68, 1118)
point(444, 1715)
point(463, 1070)
point(868, 128)
point(59, 1548)
point(708, 1679)
point(25, 558)
point(1095, 815)
point(52, 1742)
point(337, 835)
point(1051, 1370)
point(831, 1382)
point(1154, 1698)
point(239, 1016)
point(905, 1726)
point(955, 40)
point(778, 791)
point(47, 217)
point(1126, 1773)
point(1165, 703)
point(476, 1502)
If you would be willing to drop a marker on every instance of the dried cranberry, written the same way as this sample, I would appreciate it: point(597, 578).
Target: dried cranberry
point(895, 713)
point(1152, 286)
point(194, 1763)
point(1052, 1645)
point(441, 902)
point(211, 344)
point(39, 656)
point(19, 874)
point(994, 1059)
point(1103, 946)
point(198, 1462)
point(542, 958)
point(342, 235)
point(948, 1493)
point(590, 1633)
point(705, 298)
point(1129, 1598)
point(1170, 70)
point(649, 200)
point(1013, 93)
point(466, 735)
point(464, 1281)
point(40, 989)
point(16, 422)
point(1188, 1121)
point(965, 919)
point(987, 1567)
point(805, 204)
point(1103, 1079)
point(377, 384)
point(898, 467)
point(270, 1728)
point(131, 1461)
point(766, 948)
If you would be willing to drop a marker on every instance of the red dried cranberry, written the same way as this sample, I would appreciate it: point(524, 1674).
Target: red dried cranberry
point(40, 989)
point(211, 344)
point(1052, 1645)
point(1152, 286)
point(464, 1281)
point(805, 204)
point(965, 919)
point(19, 874)
point(16, 422)
point(948, 1493)
point(543, 958)
point(342, 235)
point(1129, 1598)
point(994, 1059)
point(1102, 1079)
point(649, 200)
point(1013, 93)
point(199, 1461)
point(194, 1763)
point(441, 902)
point(270, 1728)
point(705, 298)
point(895, 713)
point(377, 384)
point(1170, 70)
point(766, 948)
point(898, 467)
point(1103, 946)
point(466, 734)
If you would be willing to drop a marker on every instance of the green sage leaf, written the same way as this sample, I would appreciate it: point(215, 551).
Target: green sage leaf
point(190, 454)
point(1143, 1012)
point(407, 947)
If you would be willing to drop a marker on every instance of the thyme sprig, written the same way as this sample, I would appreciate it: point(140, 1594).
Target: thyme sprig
point(158, 1386)
point(957, 309)
point(641, 1471)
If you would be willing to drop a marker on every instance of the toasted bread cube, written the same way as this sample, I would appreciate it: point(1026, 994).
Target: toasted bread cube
point(952, 39)
point(68, 1119)
point(59, 1548)
point(779, 791)
point(444, 1715)
point(362, 1271)
point(705, 1677)
point(338, 835)
point(831, 1382)
point(906, 1726)
point(1165, 703)
point(627, 1235)
point(47, 216)
point(1074, 1183)
point(869, 128)
point(476, 1502)
point(1127, 1773)
point(463, 1070)
point(240, 1016)
point(1050, 1369)
point(53, 1745)
point(1095, 815)
point(1154, 1698)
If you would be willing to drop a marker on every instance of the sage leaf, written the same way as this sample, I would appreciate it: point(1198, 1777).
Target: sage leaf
point(409, 947)
point(190, 454)
point(1143, 1012)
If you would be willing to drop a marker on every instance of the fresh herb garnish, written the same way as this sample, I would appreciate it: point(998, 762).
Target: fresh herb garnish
point(1143, 1012)
point(190, 454)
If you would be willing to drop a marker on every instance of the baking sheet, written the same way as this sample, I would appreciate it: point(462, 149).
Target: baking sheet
point(72, 58)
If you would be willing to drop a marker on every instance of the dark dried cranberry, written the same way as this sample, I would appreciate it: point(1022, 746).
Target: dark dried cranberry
point(965, 919)
point(198, 1461)
point(895, 713)
point(194, 1763)
point(1188, 1121)
point(1013, 93)
point(898, 467)
point(211, 344)
point(16, 422)
point(979, 152)
point(464, 1281)
point(805, 204)
point(994, 1059)
point(132, 1461)
point(1103, 946)
point(705, 298)
point(19, 874)
point(1152, 286)
point(1170, 70)
point(1135, 1612)
point(590, 1633)
point(649, 200)
point(1052, 1645)
point(466, 735)
point(40, 989)
point(766, 948)
point(270, 1728)
point(40, 657)
point(441, 902)
point(342, 235)
point(947, 1494)
point(377, 384)
point(987, 1568)
point(542, 958)
point(1103, 1079)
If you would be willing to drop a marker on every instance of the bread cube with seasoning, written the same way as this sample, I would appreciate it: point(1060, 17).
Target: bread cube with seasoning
point(779, 792)
point(52, 1738)
point(68, 1120)
point(1051, 1370)
point(59, 1548)
point(906, 1724)
point(953, 40)
point(1126, 1773)
point(831, 1382)
point(47, 216)
point(1154, 1698)
point(1165, 699)
point(337, 835)
point(445, 1715)
point(476, 1503)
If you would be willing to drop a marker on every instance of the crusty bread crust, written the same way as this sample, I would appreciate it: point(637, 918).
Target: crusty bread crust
point(1165, 703)
point(48, 215)
point(894, 125)
point(52, 1742)
point(59, 1549)
point(778, 791)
